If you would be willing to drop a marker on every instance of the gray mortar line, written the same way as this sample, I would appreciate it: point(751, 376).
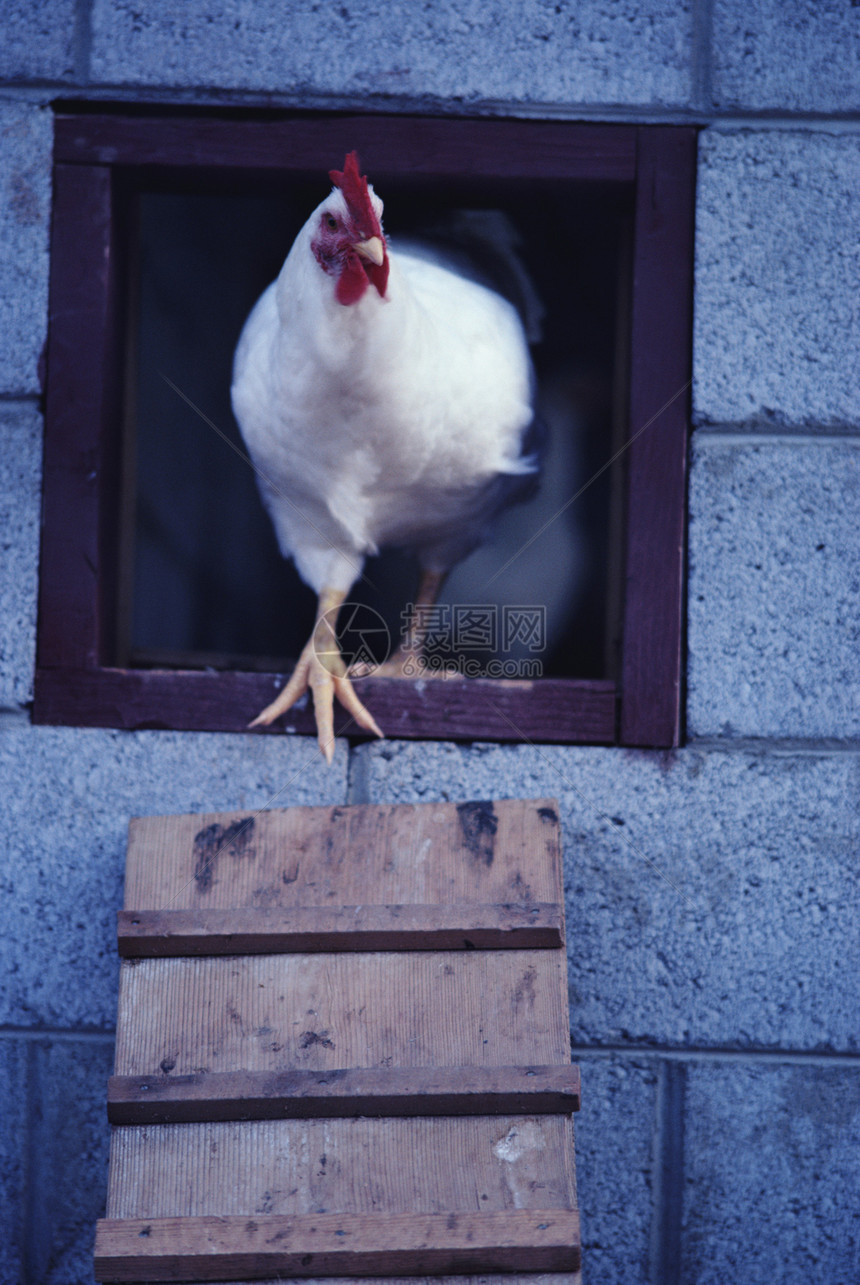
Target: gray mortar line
point(668, 1176)
point(785, 747)
point(783, 435)
point(762, 1057)
point(83, 39)
point(703, 30)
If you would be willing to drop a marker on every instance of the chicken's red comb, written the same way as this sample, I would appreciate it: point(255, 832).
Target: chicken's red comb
point(354, 188)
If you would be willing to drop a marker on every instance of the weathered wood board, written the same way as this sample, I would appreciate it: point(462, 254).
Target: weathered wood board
point(321, 1012)
point(234, 1072)
point(170, 1249)
point(351, 1166)
point(406, 854)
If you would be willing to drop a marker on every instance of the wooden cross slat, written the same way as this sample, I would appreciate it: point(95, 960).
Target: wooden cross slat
point(313, 1245)
point(366, 1091)
point(315, 929)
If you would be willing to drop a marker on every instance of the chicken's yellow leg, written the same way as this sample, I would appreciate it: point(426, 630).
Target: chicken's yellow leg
point(320, 667)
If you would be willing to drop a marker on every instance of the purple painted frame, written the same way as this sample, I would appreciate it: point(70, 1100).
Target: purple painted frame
point(83, 415)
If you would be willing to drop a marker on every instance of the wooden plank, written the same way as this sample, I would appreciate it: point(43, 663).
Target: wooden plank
point(80, 398)
point(436, 853)
point(174, 1249)
point(568, 711)
point(485, 1278)
point(335, 1012)
point(389, 146)
point(318, 929)
point(366, 1091)
point(661, 346)
point(228, 1026)
point(349, 1165)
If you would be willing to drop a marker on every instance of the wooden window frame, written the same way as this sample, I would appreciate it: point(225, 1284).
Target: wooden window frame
point(83, 453)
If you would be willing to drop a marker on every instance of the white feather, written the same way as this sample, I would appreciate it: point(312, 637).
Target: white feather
point(390, 421)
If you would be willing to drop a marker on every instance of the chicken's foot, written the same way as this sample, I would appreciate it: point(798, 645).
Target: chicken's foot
point(321, 669)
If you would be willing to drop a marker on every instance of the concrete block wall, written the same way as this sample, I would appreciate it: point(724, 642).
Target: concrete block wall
point(714, 949)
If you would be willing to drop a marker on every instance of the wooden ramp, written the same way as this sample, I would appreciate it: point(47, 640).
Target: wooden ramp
point(343, 1049)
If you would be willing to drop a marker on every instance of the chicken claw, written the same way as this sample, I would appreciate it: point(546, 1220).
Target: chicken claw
point(321, 670)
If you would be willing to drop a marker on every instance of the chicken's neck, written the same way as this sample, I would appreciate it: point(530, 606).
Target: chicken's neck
point(340, 337)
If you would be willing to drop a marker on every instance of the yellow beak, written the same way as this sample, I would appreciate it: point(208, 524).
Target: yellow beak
point(373, 250)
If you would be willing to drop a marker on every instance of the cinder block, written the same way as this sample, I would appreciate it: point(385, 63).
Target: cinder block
point(777, 277)
point(25, 198)
point(20, 493)
point(37, 40)
point(67, 797)
point(708, 894)
point(614, 1132)
point(13, 1152)
point(599, 51)
point(795, 55)
point(69, 1150)
point(774, 589)
point(772, 1172)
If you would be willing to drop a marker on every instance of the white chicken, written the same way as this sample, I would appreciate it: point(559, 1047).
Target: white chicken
point(385, 399)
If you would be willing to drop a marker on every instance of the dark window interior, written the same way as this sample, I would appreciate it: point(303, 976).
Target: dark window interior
point(203, 582)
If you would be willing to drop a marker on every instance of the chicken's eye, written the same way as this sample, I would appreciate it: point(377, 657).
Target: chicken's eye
point(331, 222)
